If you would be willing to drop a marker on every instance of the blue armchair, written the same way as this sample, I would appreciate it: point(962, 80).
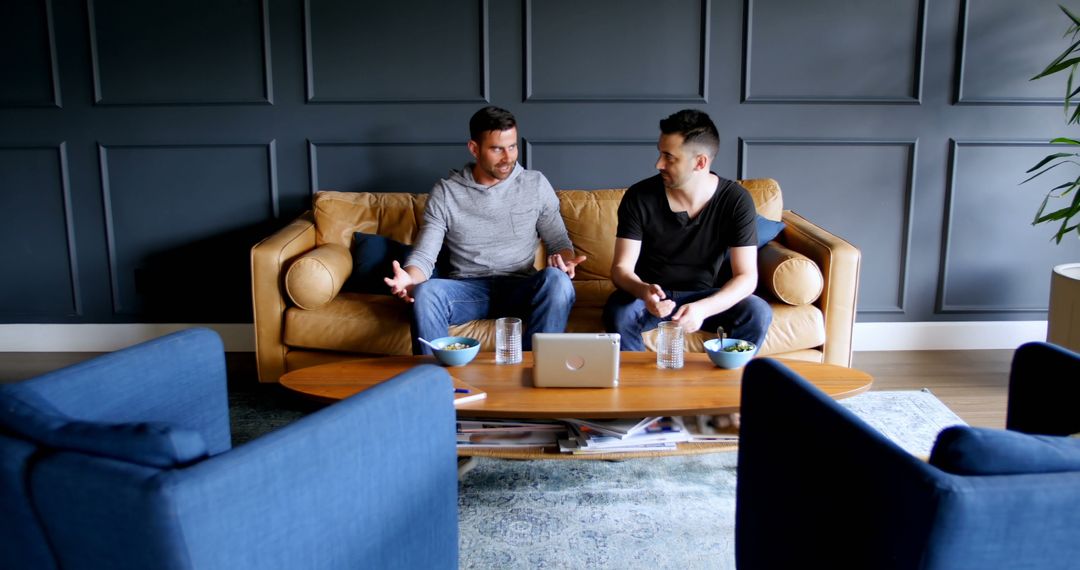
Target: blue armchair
point(124, 461)
point(818, 487)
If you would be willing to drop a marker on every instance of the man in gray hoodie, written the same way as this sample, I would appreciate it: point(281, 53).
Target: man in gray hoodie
point(490, 216)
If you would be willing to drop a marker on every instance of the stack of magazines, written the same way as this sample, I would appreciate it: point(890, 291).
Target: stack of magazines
point(585, 437)
point(508, 433)
point(623, 436)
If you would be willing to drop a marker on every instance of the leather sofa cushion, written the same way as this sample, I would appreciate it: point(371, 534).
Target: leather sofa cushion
point(789, 276)
point(591, 217)
point(767, 197)
point(315, 278)
point(379, 324)
point(794, 327)
point(352, 322)
point(592, 293)
point(396, 215)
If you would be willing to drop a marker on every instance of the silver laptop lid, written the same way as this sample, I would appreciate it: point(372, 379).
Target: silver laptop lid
point(576, 360)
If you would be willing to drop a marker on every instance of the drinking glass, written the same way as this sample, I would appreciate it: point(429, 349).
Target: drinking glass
point(669, 345)
point(507, 340)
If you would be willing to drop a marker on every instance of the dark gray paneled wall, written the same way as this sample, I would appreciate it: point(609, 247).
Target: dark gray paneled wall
point(145, 146)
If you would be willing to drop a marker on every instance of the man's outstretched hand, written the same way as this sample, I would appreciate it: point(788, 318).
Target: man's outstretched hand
point(401, 284)
point(556, 260)
point(657, 303)
point(690, 317)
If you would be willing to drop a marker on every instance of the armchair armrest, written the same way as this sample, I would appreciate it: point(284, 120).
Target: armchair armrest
point(839, 263)
point(370, 481)
point(1012, 521)
point(269, 258)
point(804, 459)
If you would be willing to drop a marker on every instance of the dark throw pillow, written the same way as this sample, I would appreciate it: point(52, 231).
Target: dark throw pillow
point(372, 261)
point(966, 450)
point(767, 230)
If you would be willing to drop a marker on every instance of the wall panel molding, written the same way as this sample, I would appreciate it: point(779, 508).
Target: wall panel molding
point(905, 223)
point(952, 219)
point(528, 145)
point(53, 71)
point(101, 97)
point(109, 205)
point(75, 296)
point(576, 164)
point(442, 156)
point(964, 96)
point(912, 97)
point(534, 94)
point(408, 95)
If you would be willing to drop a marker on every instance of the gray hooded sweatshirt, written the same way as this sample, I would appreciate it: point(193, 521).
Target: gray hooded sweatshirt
point(489, 231)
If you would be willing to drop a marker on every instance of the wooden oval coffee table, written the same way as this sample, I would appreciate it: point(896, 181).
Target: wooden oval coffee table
point(699, 388)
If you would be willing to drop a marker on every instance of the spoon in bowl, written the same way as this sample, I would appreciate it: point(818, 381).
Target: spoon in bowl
point(427, 342)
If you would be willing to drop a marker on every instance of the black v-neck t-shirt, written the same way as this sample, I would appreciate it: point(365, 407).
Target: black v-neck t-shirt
point(680, 253)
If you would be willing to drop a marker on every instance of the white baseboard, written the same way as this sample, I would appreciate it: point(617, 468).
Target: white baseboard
point(241, 337)
point(107, 338)
point(947, 336)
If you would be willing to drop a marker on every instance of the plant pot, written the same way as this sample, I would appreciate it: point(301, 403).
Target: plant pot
point(1063, 320)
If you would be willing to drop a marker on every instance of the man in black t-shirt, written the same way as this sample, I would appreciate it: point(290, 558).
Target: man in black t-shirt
point(675, 230)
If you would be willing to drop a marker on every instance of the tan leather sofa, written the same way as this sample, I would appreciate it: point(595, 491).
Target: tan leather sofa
point(302, 318)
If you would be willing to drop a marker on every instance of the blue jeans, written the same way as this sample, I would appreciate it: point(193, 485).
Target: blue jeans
point(748, 319)
point(542, 301)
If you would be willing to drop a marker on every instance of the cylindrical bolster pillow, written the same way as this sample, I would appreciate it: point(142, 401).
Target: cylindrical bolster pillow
point(789, 275)
point(315, 279)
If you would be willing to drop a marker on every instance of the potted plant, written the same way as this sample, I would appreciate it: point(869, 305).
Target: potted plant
point(1063, 326)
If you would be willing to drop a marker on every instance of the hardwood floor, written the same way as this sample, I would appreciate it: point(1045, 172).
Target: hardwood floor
point(973, 383)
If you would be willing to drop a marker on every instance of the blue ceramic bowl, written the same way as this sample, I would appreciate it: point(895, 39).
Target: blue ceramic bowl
point(458, 357)
point(723, 359)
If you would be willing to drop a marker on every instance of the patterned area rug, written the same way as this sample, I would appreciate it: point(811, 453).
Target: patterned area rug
point(673, 512)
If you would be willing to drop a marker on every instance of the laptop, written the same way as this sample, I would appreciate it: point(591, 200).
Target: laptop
point(575, 360)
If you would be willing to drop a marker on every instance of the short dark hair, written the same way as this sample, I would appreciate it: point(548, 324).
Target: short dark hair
point(490, 118)
point(696, 128)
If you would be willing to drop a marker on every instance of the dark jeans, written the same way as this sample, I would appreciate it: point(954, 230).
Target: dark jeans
point(542, 301)
point(748, 319)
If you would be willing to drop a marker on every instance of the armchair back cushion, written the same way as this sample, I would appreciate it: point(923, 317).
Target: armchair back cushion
point(980, 451)
point(153, 444)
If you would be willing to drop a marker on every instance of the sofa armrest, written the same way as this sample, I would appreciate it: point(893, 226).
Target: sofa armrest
point(839, 262)
point(269, 259)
